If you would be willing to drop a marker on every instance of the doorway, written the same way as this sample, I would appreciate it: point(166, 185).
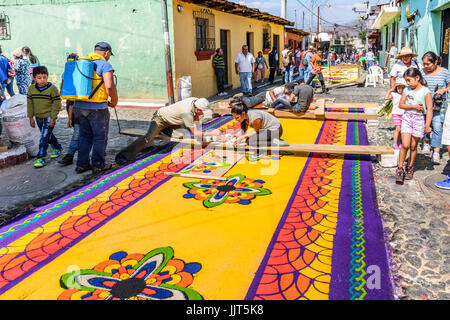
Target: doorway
point(250, 42)
point(224, 36)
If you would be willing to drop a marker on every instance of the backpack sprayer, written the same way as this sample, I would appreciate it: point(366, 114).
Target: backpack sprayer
point(82, 83)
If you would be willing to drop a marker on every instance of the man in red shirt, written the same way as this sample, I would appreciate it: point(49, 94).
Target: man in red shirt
point(316, 62)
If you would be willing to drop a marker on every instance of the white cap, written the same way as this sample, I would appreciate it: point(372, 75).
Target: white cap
point(400, 82)
point(202, 104)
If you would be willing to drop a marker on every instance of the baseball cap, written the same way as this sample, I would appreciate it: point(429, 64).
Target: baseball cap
point(103, 46)
point(202, 104)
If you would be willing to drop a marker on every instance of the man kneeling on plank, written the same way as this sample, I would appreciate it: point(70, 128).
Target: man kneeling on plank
point(188, 113)
point(299, 100)
point(267, 129)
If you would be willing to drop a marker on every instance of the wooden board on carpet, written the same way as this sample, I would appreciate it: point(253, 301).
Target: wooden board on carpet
point(215, 162)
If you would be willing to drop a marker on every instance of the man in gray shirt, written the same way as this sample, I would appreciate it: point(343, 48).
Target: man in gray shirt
point(302, 93)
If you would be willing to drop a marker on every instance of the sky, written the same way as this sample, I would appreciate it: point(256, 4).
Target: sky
point(339, 11)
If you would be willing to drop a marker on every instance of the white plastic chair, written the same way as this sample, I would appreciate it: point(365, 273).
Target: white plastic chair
point(378, 72)
point(371, 80)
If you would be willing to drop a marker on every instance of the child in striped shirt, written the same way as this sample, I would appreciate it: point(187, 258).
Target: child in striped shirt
point(43, 106)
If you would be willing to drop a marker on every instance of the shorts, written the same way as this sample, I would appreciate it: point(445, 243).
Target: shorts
point(446, 129)
point(414, 124)
point(397, 118)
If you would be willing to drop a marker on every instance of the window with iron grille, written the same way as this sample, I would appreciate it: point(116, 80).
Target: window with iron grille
point(204, 30)
point(4, 27)
point(266, 37)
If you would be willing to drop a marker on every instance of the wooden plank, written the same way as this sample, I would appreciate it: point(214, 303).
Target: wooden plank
point(361, 105)
point(295, 147)
point(3, 148)
point(133, 132)
point(215, 162)
point(196, 176)
point(312, 115)
point(320, 110)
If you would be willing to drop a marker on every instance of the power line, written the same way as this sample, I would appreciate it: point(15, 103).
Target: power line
point(326, 21)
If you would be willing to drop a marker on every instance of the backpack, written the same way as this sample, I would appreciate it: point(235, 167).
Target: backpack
point(304, 61)
point(81, 81)
point(286, 60)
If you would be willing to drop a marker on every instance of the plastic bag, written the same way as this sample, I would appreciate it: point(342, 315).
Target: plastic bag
point(17, 124)
point(184, 88)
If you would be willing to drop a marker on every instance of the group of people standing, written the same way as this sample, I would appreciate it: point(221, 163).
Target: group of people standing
point(19, 68)
point(419, 93)
point(308, 63)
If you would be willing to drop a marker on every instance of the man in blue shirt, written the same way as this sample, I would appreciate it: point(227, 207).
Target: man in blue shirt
point(93, 113)
point(4, 67)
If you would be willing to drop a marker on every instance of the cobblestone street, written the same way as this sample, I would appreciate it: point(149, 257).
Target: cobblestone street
point(415, 215)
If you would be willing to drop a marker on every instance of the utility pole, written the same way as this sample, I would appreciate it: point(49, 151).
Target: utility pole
point(318, 19)
point(167, 55)
point(295, 12)
point(303, 22)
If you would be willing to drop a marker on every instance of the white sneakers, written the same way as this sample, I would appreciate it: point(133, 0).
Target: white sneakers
point(436, 158)
point(222, 94)
point(426, 149)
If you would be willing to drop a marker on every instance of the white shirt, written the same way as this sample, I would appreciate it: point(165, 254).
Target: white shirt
point(323, 36)
point(278, 93)
point(370, 56)
point(298, 52)
point(393, 52)
point(398, 70)
point(245, 62)
point(396, 103)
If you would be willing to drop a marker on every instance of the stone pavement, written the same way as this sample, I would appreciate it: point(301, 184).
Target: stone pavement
point(415, 215)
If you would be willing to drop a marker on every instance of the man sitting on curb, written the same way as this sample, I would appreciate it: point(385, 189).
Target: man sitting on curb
point(186, 113)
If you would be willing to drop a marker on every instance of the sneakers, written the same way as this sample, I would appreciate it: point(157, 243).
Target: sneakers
point(436, 158)
point(66, 160)
point(279, 142)
point(444, 184)
point(39, 163)
point(222, 94)
point(100, 170)
point(409, 173)
point(399, 176)
point(56, 153)
point(426, 149)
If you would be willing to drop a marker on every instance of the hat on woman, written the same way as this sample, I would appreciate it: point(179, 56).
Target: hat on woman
point(17, 53)
point(406, 51)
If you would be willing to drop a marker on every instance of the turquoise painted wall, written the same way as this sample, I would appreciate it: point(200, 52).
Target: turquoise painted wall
point(55, 28)
point(428, 31)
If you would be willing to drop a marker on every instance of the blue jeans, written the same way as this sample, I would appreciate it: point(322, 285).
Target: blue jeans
point(246, 81)
point(370, 63)
point(94, 128)
point(307, 73)
point(289, 74)
point(47, 137)
point(301, 74)
point(2, 94)
point(280, 103)
point(9, 87)
point(436, 136)
point(75, 141)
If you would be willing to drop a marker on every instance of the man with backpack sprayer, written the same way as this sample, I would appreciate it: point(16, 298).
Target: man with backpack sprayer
point(92, 111)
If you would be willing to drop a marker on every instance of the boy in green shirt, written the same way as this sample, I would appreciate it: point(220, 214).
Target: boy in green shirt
point(44, 104)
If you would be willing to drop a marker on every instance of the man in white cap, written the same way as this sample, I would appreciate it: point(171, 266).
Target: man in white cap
point(188, 113)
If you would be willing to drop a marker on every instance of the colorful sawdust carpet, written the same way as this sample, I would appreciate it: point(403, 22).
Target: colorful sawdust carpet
point(280, 227)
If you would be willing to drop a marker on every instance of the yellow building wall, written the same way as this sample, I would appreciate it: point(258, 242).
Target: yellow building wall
point(202, 74)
